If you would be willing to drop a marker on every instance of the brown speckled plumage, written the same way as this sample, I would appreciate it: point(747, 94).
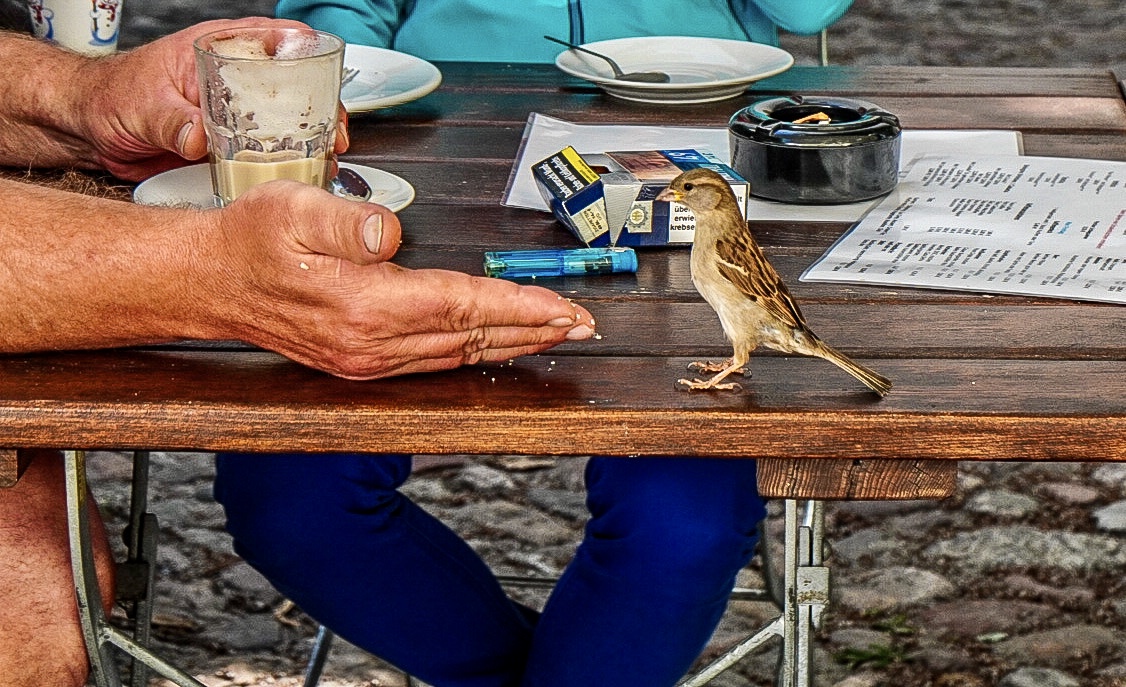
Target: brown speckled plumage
point(733, 275)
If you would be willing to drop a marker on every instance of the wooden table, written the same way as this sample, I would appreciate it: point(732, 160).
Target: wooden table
point(976, 377)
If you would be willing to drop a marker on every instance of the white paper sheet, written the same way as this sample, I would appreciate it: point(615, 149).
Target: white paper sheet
point(994, 224)
point(545, 136)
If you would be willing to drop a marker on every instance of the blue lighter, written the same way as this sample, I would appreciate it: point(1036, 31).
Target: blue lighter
point(515, 264)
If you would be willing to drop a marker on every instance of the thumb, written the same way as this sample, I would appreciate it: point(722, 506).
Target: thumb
point(184, 130)
point(359, 232)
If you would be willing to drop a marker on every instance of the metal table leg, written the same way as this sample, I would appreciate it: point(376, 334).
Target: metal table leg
point(99, 635)
point(321, 645)
point(806, 593)
point(136, 576)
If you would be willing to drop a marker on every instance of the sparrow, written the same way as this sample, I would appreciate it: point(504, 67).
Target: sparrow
point(733, 275)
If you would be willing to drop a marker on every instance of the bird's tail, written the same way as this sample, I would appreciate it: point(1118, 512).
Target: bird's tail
point(872, 379)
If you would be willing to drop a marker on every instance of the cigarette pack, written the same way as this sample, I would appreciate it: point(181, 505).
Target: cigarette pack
point(607, 199)
point(574, 192)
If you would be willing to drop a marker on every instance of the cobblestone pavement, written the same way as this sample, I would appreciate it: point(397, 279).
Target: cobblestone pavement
point(1019, 572)
point(1014, 582)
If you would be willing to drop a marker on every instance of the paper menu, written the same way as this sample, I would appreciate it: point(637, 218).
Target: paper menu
point(544, 136)
point(1037, 226)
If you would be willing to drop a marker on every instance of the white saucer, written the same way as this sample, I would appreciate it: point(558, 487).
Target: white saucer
point(386, 78)
point(192, 186)
point(702, 70)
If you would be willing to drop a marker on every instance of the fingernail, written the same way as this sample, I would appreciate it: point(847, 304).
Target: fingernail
point(182, 138)
point(373, 233)
point(561, 322)
point(580, 333)
point(342, 131)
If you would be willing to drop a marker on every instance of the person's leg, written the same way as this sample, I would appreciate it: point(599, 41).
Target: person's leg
point(334, 535)
point(40, 639)
point(651, 579)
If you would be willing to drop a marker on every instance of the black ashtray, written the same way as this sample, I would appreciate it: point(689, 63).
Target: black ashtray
point(815, 150)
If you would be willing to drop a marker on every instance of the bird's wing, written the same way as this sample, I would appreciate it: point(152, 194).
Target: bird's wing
point(742, 262)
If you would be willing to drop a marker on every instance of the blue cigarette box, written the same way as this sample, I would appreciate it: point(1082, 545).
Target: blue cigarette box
point(607, 199)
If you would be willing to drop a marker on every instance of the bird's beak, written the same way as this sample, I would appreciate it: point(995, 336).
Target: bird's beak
point(670, 196)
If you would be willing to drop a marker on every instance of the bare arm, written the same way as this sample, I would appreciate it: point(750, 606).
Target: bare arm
point(287, 267)
point(82, 272)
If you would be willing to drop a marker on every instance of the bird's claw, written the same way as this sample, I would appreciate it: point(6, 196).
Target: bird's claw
point(707, 385)
point(706, 366)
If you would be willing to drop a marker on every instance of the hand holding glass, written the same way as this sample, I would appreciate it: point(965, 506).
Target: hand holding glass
point(270, 99)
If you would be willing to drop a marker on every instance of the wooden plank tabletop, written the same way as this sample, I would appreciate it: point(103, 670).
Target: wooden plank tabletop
point(977, 377)
point(941, 409)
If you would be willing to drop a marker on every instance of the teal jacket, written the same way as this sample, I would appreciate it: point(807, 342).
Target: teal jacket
point(513, 30)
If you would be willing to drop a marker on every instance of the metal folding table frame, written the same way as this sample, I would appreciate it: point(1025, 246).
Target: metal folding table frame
point(805, 593)
point(136, 577)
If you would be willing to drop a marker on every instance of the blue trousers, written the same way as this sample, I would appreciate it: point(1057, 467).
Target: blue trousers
point(646, 588)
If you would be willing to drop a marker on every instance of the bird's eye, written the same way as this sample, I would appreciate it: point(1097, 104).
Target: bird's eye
point(689, 187)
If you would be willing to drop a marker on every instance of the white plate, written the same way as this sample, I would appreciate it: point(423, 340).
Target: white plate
point(702, 70)
point(386, 78)
point(192, 186)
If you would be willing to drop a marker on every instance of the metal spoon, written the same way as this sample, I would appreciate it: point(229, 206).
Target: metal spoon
point(349, 184)
point(643, 77)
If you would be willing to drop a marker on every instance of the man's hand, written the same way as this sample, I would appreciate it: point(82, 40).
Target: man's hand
point(133, 113)
point(145, 115)
point(306, 275)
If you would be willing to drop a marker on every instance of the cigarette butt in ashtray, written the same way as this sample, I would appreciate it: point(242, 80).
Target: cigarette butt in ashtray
point(819, 117)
